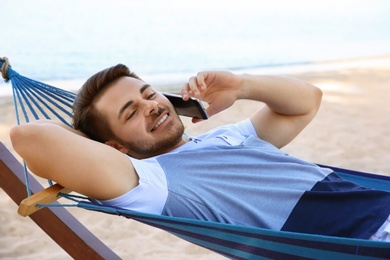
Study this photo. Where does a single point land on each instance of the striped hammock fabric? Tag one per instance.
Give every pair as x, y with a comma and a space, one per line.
36, 100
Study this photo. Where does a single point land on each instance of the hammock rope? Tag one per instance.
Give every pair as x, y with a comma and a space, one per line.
235, 242
37, 100
4, 68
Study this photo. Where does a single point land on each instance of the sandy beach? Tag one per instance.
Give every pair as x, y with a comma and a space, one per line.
351, 130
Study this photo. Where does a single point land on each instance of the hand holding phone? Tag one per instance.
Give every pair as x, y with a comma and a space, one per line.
191, 108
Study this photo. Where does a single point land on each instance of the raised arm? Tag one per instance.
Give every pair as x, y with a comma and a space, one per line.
290, 103
60, 153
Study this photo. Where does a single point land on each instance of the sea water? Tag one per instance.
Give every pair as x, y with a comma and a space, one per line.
72, 39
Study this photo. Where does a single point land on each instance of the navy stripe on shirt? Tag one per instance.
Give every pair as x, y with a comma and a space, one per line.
336, 207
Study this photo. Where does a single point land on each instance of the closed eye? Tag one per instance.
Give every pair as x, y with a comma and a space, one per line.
151, 96
131, 115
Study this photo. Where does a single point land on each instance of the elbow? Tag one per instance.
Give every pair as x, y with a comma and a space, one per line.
19, 138
15, 135
312, 102
317, 97
314, 99
26, 139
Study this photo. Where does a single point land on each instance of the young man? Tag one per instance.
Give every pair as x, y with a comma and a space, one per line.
140, 159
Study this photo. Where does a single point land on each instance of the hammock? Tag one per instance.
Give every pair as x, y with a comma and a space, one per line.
36, 99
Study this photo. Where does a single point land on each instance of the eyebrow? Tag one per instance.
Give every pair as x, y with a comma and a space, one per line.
130, 102
143, 88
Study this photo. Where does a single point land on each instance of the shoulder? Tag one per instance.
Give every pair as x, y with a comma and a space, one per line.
242, 128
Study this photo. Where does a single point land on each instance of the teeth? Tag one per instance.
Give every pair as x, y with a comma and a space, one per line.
161, 121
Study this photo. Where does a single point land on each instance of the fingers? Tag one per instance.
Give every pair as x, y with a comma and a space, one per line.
194, 87
196, 120
210, 110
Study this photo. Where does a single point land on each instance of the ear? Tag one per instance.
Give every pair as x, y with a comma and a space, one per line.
118, 146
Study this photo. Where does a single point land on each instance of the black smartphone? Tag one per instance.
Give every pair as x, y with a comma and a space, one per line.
191, 108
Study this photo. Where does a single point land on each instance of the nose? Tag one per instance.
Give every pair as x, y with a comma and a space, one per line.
150, 107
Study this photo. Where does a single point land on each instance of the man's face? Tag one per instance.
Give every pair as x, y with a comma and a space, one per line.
143, 120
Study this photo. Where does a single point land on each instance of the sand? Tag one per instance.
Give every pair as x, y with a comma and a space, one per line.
351, 130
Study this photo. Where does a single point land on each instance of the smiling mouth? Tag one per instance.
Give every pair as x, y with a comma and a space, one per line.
162, 120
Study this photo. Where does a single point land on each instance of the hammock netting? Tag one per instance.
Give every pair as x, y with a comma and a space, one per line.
37, 100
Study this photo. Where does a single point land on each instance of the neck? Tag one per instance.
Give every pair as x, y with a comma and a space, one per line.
184, 139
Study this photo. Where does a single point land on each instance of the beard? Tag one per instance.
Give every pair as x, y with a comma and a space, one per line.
162, 143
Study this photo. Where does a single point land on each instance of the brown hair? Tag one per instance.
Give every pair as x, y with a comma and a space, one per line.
86, 117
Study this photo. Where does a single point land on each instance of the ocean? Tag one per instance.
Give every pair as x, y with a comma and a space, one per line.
72, 39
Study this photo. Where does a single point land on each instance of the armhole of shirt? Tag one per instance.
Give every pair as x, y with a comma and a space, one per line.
246, 127
151, 192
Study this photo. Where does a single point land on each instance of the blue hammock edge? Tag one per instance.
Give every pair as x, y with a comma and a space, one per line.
242, 242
